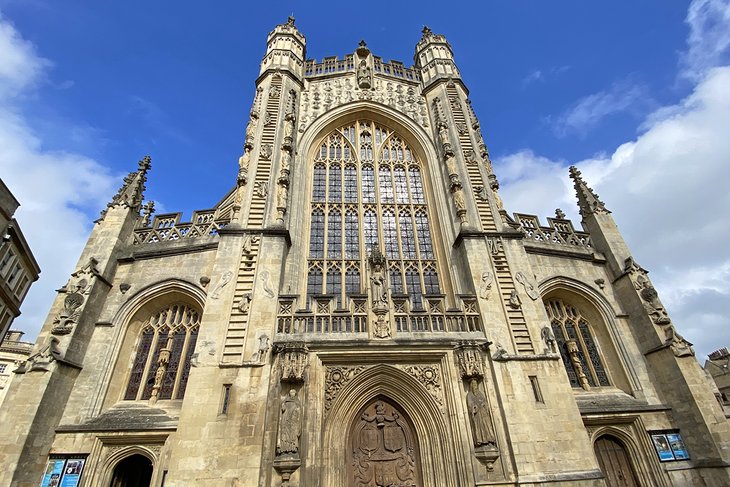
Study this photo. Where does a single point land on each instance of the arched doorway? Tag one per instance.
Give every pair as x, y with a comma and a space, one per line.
133, 471
615, 462
382, 448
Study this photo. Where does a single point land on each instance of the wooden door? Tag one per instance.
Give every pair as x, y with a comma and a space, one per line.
615, 462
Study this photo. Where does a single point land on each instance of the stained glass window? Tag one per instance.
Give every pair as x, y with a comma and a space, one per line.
569, 324
367, 193
174, 329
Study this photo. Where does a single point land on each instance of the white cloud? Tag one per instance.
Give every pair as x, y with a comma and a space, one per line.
21, 67
668, 193
586, 113
59, 192
708, 44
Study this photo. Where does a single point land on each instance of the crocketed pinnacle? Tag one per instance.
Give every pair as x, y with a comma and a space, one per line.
588, 201
131, 194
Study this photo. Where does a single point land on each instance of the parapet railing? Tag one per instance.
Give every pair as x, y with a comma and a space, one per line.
167, 228
324, 316
329, 65
560, 231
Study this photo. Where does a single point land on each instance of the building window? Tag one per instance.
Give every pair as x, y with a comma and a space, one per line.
367, 193
171, 332
573, 331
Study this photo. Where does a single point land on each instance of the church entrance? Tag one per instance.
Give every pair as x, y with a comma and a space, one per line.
615, 462
133, 471
382, 448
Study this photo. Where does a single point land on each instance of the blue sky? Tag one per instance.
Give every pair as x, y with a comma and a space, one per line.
634, 93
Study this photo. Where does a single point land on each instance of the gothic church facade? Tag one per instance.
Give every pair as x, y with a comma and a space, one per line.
360, 310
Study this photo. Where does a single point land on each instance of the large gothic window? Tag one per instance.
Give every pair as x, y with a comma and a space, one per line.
367, 193
165, 346
577, 346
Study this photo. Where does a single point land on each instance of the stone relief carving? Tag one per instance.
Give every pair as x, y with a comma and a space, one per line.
69, 315
470, 362
495, 245
335, 379
293, 360
364, 75
266, 285
251, 131
529, 288
76, 289
243, 163
514, 300
244, 303
486, 285
322, 96
261, 189
655, 309
41, 360
429, 377
222, 282
290, 425
266, 151
259, 356
481, 418
383, 449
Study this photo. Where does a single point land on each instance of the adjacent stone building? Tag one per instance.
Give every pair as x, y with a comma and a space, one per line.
18, 267
360, 310
13, 351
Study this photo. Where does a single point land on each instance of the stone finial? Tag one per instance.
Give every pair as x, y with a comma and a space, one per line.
131, 194
588, 201
290, 20
559, 214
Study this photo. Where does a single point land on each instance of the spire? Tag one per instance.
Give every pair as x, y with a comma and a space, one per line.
131, 194
588, 201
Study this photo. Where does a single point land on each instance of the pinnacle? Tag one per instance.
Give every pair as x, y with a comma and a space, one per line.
588, 201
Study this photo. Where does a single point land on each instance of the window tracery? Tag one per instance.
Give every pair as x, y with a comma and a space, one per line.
569, 325
367, 192
173, 329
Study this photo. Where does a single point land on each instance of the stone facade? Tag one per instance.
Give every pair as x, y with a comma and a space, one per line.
361, 310
13, 351
18, 267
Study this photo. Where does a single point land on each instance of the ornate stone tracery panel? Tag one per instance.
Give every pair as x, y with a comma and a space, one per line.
382, 448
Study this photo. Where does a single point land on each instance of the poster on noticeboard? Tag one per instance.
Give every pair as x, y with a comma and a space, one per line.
669, 446
63, 472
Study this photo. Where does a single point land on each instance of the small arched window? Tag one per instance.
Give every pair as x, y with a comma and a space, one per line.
577, 347
162, 361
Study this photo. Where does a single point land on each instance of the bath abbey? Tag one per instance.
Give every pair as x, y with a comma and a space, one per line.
359, 310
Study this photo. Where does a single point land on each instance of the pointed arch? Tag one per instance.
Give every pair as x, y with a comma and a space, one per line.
437, 458
604, 323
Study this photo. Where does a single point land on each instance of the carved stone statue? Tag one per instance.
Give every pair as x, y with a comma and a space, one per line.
42, 359
572, 347
364, 76
481, 420
289, 425
548, 338
245, 303
289, 128
486, 285
514, 299
251, 130
260, 356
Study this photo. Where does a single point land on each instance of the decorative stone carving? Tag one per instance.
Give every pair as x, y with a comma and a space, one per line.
379, 293
289, 122
162, 363
444, 139
293, 358
124, 287
147, 211
559, 214
495, 245
481, 418
266, 285
514, 300
335, 379
251, 131
261, 189
69, 315
41, 360
243, 163
572, 348
259, 357
244, 303
529, 288
655, 309
266, 151
486, 285
429, 377
222, 282
204, 281
248, 240
282, 195
364, 75
548, 338
469, 359
290, 425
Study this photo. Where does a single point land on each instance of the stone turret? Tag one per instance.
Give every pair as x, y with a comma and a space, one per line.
285, 50
435, 58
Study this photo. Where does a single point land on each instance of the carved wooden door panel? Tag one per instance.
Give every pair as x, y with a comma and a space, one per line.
382, 448
615, 463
